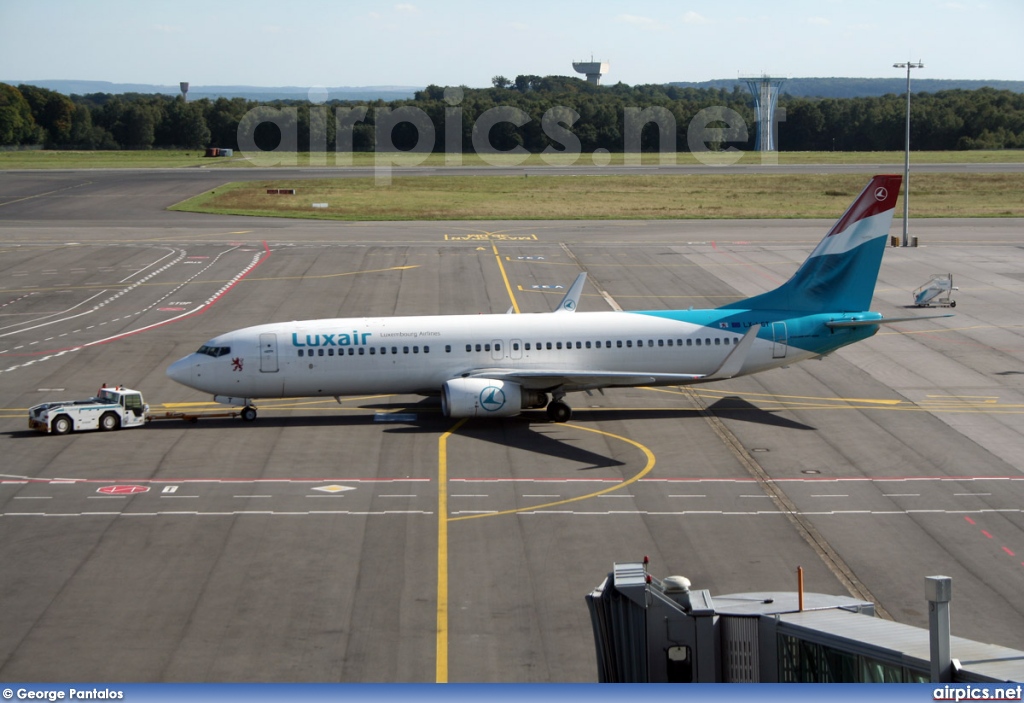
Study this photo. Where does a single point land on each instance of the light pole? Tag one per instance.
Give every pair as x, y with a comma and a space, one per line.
906, 154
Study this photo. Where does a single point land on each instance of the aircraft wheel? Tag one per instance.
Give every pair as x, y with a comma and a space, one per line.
110, 421
62, 425
952, 303
249, 414
559, 411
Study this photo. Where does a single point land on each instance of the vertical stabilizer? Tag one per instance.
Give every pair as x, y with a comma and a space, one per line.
840, 274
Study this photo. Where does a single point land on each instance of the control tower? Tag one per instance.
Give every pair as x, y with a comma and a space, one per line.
593, 69
766, 94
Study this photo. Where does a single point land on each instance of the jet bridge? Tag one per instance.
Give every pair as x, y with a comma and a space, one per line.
662, 631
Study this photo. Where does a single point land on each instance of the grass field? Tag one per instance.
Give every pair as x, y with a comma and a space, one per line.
43, 159
606, 197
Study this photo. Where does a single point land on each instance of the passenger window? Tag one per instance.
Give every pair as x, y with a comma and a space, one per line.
527, 345
661, 342
487, 347
302, 352
689, 342
629, 343
478, 347
549, 345
426, 349
707, 341
469, 347
362, 351
698, 341
588, 345
405, 350
383, 350
558, 345
319, 352
618, 343
394, 350
579, 345
448, 348
718, 341
351, 351
373, 350
415, 350
515, 346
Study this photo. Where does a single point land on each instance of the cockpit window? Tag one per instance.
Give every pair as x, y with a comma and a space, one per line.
214, 351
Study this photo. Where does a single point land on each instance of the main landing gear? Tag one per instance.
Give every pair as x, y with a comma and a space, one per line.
248, 413
559, 410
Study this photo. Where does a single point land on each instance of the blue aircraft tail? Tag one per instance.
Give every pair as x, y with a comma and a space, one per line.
840, 274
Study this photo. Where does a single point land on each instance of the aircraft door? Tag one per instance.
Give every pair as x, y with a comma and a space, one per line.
516, 348
496, 353
268, 352
781, 345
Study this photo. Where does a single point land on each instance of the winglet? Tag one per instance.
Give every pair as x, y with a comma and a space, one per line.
733, 363
572, 296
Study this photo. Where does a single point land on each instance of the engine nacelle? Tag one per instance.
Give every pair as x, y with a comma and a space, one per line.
484, 397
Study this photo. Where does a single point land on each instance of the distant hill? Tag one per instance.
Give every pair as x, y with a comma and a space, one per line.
195, 92
861, 87
797, 87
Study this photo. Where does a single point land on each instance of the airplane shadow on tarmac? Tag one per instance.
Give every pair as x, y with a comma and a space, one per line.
530, 431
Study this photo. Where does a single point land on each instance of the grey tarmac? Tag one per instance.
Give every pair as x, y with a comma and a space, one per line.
354, 542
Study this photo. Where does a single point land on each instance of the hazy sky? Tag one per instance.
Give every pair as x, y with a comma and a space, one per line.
461, 42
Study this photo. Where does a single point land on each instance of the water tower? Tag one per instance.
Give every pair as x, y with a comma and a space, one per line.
593, 69
184, 90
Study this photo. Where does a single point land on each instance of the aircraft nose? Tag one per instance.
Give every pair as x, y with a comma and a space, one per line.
181, 370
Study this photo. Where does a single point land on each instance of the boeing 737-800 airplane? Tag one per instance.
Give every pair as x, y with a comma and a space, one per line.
498, 365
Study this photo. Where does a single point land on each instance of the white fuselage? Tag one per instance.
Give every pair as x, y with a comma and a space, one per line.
356, 356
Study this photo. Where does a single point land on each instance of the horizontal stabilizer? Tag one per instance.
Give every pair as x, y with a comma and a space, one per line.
881, 321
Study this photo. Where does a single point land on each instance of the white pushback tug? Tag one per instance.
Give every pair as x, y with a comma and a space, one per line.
110, 409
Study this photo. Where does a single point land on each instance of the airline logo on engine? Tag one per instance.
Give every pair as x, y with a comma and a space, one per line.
492, 398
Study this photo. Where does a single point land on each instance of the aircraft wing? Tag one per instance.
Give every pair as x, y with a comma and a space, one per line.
569, 381
581, 380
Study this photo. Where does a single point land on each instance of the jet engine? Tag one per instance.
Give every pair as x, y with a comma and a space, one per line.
485, 397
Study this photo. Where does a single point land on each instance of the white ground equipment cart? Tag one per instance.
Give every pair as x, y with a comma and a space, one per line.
111, 409
936, 292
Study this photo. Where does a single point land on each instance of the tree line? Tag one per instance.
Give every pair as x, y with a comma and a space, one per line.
946, 120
